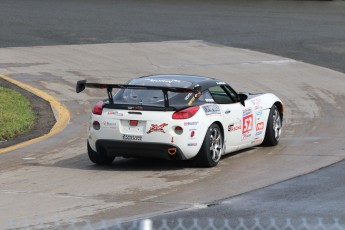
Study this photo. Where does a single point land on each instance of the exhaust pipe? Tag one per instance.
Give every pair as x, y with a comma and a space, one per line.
172, 151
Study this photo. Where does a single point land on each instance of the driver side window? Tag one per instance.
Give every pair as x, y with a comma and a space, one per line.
205, 98
220, 96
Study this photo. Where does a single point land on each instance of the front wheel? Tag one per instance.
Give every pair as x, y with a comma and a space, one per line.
212, 147
274, 127
99, 158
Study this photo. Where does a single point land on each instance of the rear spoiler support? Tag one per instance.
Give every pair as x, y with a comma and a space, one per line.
166, 99
110, 95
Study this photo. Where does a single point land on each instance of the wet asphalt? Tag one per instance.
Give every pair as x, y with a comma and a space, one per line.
311, 31
313, 201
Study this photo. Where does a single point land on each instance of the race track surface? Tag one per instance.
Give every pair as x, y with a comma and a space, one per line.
54, 181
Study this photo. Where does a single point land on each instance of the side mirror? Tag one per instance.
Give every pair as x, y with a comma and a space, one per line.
242, 97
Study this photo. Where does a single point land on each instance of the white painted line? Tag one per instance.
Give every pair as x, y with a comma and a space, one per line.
29, 158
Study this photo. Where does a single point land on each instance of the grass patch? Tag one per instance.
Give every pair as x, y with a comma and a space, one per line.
16, 114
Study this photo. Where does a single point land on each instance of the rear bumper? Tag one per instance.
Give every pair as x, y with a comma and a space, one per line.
139, 149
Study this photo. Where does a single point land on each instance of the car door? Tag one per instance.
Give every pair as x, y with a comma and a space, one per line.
232, 111
248, 125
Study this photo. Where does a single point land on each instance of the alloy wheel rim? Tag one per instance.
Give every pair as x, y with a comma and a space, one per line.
277, 125
216, 147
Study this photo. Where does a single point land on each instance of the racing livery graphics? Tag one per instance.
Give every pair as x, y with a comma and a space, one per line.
179, 117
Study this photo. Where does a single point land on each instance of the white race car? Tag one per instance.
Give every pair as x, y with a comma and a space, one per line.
179, 117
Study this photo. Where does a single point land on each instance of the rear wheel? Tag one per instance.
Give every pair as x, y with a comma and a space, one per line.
99, 158
212, 147
274, 127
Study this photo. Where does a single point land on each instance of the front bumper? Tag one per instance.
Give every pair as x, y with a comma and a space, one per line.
142, 149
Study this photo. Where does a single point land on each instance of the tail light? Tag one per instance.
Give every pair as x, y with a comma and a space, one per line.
185, 113
98, 108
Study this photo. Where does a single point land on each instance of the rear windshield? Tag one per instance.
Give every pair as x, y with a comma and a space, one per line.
152, 97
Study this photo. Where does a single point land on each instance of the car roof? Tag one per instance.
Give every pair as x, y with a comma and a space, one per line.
204, 82
189, 78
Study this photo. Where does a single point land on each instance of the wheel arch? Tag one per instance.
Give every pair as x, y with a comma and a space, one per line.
203, 157
280, 107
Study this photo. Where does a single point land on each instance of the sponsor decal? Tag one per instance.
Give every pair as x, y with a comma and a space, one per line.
221, 83
209, 100
257, 141
258, 133
157, 128
187, 123
162, 80
246, 112
192, 134
192, 144
258, 107
135, 108
247, 123
211, 109
109, 124
258, 119
233, 127
188, 96
191, 101
256, 101
116, 113
260, 126
131, 138
245, 136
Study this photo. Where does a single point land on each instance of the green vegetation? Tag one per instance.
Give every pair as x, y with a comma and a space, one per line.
16, 114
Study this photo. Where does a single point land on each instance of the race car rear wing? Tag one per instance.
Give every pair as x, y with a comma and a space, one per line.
81, 85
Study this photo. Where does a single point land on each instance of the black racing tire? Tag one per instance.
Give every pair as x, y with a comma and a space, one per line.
99, 157
273, 128
212, 147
